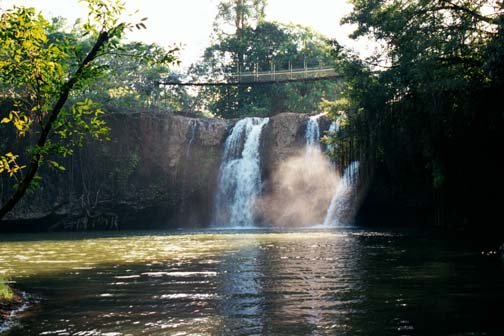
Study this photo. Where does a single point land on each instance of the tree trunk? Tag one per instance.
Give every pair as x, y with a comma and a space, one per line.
63, 97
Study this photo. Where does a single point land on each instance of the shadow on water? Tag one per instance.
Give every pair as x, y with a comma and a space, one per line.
248, 283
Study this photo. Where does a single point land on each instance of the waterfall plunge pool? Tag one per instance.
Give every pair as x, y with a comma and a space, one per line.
312, 282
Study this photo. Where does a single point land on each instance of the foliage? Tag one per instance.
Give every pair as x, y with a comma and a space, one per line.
258, 48
431, 103
8, 164
238, 14
129, 75
44, 75
131, 80
6, 293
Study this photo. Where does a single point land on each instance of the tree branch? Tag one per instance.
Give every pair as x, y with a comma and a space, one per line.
34, 164
451, 6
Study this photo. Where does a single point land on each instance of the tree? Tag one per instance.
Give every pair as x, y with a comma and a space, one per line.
131, 80
39, 74
432, 100
260, 47
239, 15
130, 76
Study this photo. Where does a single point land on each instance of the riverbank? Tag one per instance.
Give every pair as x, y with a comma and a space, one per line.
11, 301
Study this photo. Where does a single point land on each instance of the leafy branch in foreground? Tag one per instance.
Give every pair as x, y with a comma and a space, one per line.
39, 75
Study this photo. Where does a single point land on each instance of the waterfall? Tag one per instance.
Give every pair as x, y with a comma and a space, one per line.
341, 207
333, 129
312, 135
192, 135
240, 175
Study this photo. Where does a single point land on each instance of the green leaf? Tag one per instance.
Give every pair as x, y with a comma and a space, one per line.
56, 165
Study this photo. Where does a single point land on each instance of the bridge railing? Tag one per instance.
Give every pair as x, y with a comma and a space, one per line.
283, 75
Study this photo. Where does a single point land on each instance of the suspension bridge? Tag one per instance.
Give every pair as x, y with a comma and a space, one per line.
306, 74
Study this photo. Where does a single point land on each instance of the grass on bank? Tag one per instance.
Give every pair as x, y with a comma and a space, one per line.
6, 293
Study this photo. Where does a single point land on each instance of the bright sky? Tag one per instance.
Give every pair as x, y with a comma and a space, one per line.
189, 22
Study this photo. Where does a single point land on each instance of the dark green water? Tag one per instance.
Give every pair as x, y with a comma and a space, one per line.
341, 282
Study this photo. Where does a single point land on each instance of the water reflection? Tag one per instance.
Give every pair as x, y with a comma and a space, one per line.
241, 288
309, 281
305, 283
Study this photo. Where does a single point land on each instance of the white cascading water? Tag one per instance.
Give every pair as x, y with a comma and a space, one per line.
239, 181
192, 135
312, 135
333, 129
342, 203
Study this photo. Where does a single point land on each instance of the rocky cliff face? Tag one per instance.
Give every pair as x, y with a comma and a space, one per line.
146, 176
284, 137
157, 171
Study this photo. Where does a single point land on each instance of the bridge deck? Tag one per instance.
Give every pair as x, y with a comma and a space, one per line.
269, 77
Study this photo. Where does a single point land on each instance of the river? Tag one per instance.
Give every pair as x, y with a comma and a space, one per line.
313, 282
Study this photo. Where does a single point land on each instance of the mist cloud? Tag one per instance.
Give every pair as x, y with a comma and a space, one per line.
300, 191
